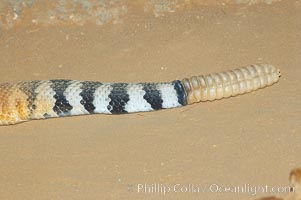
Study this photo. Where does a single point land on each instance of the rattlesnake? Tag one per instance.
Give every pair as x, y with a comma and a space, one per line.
23, 101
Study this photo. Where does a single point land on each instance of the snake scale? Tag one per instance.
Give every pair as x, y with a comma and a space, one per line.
28, 100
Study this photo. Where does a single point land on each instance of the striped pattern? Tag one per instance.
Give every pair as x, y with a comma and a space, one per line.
59, 98
24, 101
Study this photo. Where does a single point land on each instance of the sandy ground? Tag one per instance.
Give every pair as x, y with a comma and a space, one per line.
251, 140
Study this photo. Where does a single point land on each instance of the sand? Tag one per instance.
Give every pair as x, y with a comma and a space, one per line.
248, 140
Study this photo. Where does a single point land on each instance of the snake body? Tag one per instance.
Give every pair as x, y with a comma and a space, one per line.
24, 101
